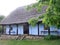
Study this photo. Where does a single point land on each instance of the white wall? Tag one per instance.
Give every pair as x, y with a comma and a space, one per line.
7, 29
41, 29
33, 30
54, 28
20, 29
14, 29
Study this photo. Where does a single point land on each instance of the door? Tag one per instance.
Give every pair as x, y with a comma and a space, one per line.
26, 29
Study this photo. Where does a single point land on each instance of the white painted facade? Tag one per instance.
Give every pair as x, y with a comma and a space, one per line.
20, 29
32, 30
41, 28
14, 29
7, 29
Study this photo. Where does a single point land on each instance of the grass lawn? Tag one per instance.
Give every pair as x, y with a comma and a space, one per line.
29, 42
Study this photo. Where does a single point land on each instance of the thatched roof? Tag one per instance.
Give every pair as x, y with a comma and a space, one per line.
21, 15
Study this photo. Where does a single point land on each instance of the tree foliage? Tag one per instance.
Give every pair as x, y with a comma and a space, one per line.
1, 18
33, 21
52, 15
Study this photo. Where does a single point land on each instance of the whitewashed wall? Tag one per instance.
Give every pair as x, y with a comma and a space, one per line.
20, 29
33, 30
14, 29
58, 31
41, 29
7, 29
53, 28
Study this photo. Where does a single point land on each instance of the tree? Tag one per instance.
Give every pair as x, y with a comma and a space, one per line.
1, 18
52, 15
33, 21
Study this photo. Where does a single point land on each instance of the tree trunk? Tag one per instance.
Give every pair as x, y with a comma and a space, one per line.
48, 30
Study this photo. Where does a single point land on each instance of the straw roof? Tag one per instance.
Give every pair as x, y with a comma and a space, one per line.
21, 15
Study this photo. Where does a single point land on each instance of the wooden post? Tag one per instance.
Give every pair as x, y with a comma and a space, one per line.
48, 30
2, 30
17, 29
28, 29
38, 29
9, 29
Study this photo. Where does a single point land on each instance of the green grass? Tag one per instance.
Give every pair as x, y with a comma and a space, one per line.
29, 42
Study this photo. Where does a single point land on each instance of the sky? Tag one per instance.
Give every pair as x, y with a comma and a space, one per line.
7, 6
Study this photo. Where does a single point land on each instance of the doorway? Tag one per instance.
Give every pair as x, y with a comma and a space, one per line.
26, 29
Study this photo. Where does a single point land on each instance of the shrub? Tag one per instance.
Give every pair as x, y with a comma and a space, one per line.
51, 37
0, 29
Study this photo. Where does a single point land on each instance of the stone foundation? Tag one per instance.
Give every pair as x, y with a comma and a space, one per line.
19, 37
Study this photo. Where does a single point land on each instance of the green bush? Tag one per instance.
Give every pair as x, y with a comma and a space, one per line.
0, 29
51, 37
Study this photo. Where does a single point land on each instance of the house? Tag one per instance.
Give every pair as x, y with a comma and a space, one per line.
17, 23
